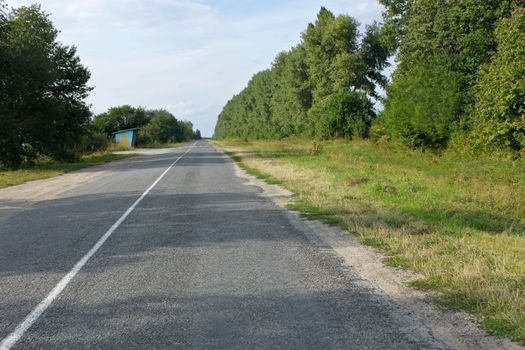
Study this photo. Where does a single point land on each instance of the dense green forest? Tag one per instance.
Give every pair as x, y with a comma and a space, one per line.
43, 88
459, 81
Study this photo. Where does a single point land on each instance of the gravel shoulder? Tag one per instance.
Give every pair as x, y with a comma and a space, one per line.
46, 189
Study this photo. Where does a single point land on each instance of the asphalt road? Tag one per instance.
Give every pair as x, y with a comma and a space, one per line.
201, 262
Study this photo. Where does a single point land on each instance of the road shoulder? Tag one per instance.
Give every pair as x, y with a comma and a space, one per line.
50, 188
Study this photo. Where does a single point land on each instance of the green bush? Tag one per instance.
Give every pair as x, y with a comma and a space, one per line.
499, 115
423, 105
94, 141
346, 114
163, 127
145, 136
378, 130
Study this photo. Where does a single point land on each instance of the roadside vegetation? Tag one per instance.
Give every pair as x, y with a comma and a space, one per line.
458, 222
459, 82
433, 172
47, 167
46, 125
43, 87
158, 127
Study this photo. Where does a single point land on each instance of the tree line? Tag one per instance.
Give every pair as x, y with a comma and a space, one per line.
156, 126
43, 88
322, 87
459, 80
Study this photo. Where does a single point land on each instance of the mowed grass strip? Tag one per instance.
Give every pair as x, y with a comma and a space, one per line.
458, 222
46, 168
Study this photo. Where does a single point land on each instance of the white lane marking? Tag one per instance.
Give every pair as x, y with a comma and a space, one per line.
12, 338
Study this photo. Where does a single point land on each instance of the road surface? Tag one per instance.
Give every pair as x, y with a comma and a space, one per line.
201, 261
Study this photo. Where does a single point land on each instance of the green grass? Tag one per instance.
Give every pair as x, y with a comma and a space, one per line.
46, 168
458, 222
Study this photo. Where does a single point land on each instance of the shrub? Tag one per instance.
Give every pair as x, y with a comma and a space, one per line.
145, 136
499, 115
348, 114
378, 130
423, 105
94, 142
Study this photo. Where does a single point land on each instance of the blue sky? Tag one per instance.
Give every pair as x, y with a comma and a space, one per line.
187, 56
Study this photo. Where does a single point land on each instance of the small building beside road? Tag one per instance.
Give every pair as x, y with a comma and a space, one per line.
126, 138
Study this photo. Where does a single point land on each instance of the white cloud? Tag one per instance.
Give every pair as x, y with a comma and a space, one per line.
366, 11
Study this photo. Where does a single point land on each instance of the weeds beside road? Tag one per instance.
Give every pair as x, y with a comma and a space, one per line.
458, 222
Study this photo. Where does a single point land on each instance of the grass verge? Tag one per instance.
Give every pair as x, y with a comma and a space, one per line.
458, 222
46, 168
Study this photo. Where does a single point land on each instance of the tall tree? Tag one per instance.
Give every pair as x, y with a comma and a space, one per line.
330, 44
185, 131
161, 127
249, 114
322, 87
121, 118
375, 51
292, 97
259, 122
339, 63
42, 89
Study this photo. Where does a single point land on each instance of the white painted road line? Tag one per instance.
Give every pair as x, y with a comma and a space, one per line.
20, 330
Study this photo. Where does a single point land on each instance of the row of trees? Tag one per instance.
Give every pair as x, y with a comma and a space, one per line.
156, 126
461, 76
322, 87
459, 82
43, 87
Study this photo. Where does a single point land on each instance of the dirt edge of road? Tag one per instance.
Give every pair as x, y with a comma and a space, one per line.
46, 189
413, 309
